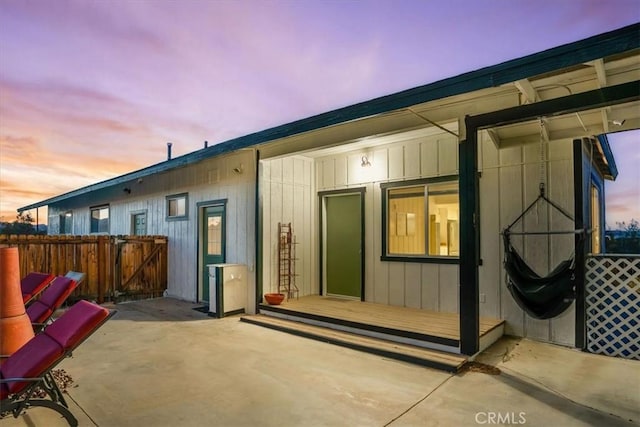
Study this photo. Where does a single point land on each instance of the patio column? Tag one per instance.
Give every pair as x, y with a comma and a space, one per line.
469, 242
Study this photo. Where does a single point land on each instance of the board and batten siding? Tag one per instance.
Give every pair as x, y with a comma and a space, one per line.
406, 284
211, 179
286, 195
509, 182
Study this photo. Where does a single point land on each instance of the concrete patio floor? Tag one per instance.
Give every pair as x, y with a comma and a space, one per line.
160, 363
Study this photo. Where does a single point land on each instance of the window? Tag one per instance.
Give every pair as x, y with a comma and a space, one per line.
66, 223
177, 206
421, 219
100, 219
595, 220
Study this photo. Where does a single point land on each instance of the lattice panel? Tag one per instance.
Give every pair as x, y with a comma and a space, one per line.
613, 305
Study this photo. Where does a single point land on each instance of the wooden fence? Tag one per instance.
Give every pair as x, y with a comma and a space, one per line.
117, 267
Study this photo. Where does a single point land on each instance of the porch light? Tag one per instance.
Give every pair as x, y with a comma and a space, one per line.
365, 162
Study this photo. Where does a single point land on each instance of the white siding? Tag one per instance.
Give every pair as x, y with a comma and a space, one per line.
286, 196
212, 179
429, 286
508, 184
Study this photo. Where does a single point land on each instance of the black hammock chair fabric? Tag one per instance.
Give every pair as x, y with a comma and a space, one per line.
540, 297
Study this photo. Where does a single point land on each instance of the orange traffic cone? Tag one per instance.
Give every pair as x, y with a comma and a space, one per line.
15, 327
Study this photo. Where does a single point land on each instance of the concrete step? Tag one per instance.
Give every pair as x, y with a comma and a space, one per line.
408, 353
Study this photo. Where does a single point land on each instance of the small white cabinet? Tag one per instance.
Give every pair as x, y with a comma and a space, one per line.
227, 289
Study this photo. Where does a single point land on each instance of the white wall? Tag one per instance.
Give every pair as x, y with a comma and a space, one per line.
288, 193
509, 183
212, 179
419, 285
287, 196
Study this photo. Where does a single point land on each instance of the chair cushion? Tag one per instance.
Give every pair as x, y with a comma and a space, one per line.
32, 360
33, 283
51, 299
59, 289
38, 312
78, 321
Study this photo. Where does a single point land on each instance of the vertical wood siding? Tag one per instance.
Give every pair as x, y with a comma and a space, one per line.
212, 179
286, 196
509, 183
429, 286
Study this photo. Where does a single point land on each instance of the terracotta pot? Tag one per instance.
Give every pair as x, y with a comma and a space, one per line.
11, 303
15, 332
274, 299
15, 326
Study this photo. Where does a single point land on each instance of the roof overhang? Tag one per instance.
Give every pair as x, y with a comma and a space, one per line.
604, 158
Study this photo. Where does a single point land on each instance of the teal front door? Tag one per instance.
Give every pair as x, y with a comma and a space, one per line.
213, 243
342, 254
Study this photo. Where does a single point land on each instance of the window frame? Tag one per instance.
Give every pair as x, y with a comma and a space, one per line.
597, 245
384, 196
177, 196
97, 208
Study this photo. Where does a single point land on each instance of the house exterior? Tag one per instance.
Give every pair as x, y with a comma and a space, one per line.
425, 181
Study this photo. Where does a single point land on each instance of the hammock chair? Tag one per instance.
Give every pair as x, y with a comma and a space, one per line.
542, 297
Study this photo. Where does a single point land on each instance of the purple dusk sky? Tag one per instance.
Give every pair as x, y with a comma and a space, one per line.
93, 89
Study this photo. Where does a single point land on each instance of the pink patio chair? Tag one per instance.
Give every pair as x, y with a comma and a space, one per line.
30, 367
34, 283
51, 299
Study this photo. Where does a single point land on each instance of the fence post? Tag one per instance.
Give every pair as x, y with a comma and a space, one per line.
102, 240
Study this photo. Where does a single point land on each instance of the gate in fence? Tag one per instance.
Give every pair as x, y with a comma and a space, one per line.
116, 267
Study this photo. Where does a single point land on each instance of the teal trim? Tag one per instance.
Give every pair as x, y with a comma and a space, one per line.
421, 259
419, 181
207, 203
184, 217
384, 197
608, 155
603, 45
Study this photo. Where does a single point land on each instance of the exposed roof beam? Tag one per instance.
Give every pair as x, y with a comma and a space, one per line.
591, 100
544, 130
605, 119
601, 73
495, 138
527, 90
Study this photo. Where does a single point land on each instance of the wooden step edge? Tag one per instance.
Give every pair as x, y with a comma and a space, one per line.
444, 339
453, 358
411, 354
